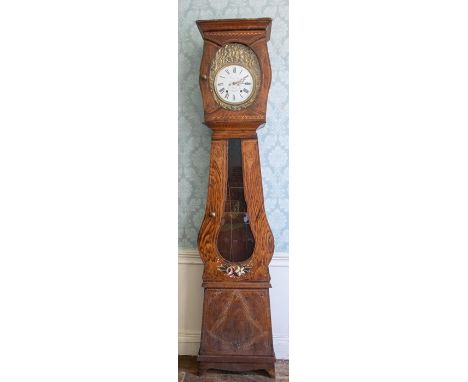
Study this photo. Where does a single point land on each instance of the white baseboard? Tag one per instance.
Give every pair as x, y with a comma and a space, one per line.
189, 343
191, 256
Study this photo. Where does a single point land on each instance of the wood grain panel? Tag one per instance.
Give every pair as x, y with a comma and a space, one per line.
236, 322
217, 180
264, 243
244, 37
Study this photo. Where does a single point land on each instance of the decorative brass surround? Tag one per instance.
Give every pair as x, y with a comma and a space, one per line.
235, 54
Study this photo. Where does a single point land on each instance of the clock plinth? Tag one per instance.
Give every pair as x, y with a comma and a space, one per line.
235, 241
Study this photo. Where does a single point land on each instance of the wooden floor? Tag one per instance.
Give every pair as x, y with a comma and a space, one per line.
188, 372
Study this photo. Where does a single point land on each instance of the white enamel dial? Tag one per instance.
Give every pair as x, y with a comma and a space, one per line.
234, 84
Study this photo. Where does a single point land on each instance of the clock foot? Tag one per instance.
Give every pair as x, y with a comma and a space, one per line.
237, 367
271, 371
201, 370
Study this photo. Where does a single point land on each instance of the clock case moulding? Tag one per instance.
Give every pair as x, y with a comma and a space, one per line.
236, 324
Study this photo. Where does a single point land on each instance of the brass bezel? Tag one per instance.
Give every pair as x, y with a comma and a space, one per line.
235, 54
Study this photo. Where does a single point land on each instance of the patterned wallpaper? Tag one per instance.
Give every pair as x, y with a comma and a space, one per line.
194, 137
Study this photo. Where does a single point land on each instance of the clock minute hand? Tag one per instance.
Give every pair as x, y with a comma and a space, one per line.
240, 81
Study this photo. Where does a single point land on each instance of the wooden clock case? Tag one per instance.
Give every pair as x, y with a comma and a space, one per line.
236, 324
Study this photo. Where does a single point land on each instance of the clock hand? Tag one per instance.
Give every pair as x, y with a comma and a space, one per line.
240, 81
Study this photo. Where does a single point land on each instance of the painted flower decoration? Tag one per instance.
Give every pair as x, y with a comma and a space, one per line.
234, 270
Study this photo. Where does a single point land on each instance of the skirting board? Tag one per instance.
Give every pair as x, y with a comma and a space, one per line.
189, 344
191, 256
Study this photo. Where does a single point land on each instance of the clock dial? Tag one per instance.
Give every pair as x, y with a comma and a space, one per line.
234, 84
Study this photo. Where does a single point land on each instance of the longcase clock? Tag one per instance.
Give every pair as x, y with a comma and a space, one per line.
235, 241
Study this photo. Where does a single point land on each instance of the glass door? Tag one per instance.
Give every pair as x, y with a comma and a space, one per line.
235, 239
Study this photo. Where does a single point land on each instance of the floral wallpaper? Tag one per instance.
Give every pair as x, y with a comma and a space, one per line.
194, 137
